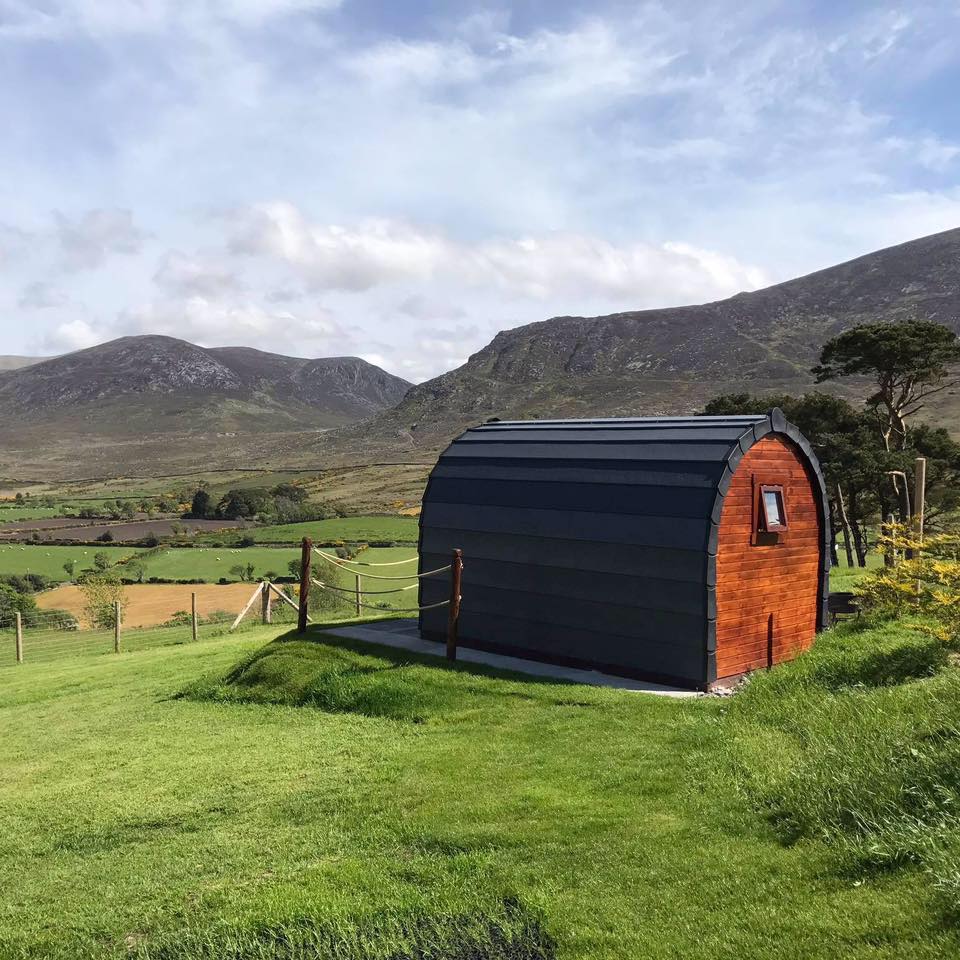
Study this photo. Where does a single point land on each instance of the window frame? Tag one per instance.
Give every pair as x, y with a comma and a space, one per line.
778, 491
761, 534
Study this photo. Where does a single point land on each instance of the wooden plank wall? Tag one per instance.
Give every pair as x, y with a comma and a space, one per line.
757, 582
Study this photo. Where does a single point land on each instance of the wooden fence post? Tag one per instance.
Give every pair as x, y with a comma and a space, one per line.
193, 614
19, 620
359, 607
116, 626
453, 620
265, 603
919, 494
306, 551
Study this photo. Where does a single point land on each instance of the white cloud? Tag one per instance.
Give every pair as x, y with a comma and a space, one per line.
108, 18
86, 243
223, 322
72, 335
461, 175
185, 275
380, 252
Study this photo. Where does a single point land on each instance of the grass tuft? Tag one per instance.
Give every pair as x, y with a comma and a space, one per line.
857, 744
511, 933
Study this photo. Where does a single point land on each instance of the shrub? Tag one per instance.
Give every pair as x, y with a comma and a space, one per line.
246, 541
923, 577
101, 593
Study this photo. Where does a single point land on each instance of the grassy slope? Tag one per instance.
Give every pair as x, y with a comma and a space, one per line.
137, 814
30, 558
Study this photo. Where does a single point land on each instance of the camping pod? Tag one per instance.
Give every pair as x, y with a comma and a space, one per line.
680, 549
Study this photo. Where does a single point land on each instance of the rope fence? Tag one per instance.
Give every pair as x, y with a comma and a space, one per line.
454, 568
363, 563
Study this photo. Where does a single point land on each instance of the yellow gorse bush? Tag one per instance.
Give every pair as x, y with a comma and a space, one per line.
921, 575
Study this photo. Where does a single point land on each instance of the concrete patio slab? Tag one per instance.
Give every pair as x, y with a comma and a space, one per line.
404, 635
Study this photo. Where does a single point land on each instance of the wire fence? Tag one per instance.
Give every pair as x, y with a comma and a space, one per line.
49, 639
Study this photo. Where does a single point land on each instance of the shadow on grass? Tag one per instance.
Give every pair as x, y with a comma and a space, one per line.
510, 933
341, 675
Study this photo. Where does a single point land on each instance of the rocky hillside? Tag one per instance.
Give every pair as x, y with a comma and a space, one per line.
157, 403
15, 363
668, 361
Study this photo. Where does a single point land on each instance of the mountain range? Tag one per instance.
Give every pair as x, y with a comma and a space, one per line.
669, 361
159, 402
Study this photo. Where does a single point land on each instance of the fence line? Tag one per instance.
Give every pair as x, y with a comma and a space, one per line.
44, 636
454, 568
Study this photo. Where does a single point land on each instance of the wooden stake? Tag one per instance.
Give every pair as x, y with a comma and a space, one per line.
286, 599
265, 603
243, 612
359, 596
453, 620
116, 626
306, 552
193, 614
919, 494
19, 620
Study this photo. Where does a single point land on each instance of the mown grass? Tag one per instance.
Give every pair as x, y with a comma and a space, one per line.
411, 809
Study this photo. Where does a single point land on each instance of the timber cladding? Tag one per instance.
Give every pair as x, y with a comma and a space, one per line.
767, 588
637, 546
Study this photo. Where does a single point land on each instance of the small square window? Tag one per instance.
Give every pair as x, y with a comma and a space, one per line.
773, 515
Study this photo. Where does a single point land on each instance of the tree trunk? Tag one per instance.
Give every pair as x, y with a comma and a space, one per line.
844, 525
860, 544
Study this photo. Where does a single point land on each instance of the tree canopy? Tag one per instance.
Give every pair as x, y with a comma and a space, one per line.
908, 362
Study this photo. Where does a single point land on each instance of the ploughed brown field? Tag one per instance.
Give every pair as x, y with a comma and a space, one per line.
150, 604
65, 528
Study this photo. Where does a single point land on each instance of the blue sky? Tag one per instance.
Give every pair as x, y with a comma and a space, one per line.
400, 181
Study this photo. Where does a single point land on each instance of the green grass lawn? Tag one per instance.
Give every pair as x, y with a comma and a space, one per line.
353, 529
38, 558
407, 809
843, 578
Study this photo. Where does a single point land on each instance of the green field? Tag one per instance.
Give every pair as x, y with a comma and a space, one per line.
212, 563
11, 514
49, 561
350, 529
410, 809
